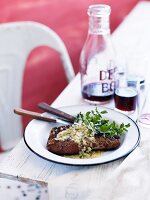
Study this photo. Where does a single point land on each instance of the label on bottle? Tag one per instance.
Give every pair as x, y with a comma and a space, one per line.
107, 80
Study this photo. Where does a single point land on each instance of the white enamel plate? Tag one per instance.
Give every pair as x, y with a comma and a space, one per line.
37, 132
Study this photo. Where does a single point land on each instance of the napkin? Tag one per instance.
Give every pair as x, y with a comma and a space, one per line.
125, 179
16, 190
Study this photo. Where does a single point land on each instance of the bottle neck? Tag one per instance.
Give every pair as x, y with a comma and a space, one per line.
99, 25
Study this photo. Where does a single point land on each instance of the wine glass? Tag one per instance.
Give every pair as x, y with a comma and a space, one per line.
139, 72
126, 96
144, 112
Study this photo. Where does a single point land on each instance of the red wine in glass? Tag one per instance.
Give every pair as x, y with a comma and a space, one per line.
126, 99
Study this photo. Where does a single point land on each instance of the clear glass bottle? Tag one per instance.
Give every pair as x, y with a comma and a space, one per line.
97, 58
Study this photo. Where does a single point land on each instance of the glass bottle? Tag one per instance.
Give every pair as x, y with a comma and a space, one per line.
97, 58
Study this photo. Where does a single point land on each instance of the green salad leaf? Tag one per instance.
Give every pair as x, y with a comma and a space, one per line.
96, 123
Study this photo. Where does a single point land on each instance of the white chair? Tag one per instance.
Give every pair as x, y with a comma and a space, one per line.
17, 40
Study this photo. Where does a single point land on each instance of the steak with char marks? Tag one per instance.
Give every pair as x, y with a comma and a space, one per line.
69, 147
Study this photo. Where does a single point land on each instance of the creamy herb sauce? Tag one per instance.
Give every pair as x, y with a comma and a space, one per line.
78, 133
92, 154
81, 135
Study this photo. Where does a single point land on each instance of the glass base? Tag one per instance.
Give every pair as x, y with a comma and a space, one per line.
144, 120
97, 102
124, 112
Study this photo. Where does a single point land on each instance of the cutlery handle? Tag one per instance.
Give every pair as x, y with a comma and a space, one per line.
34, 115
56, 112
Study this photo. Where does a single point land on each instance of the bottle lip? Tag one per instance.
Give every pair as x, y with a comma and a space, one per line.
99, 10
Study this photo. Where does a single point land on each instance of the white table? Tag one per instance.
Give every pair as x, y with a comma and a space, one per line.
132, 36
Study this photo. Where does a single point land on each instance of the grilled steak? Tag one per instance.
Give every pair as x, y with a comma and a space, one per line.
71, 147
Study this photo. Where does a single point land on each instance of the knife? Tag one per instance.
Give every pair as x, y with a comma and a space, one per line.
44, 106
38, 116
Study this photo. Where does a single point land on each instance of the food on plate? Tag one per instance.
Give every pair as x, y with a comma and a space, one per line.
90, 132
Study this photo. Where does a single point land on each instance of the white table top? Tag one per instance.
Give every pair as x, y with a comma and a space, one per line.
131, 37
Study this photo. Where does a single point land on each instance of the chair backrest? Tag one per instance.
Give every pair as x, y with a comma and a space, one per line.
17, 40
